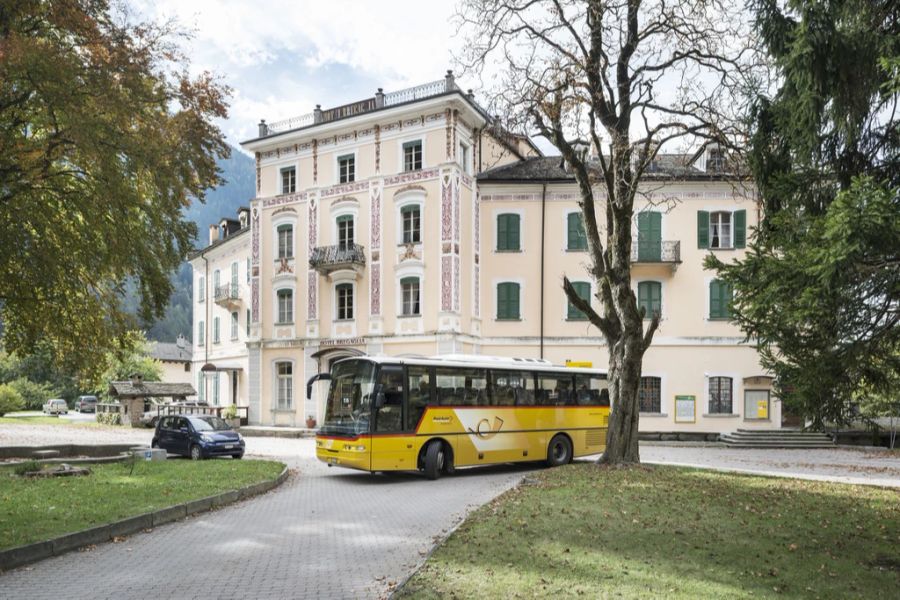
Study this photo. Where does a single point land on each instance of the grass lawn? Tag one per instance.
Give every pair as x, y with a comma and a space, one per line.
46, 420
37, 509
664, 532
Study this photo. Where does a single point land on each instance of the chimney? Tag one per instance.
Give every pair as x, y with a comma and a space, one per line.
213, 234
317, 114
379, 98
180, 341
137, 379
449, 81
263, 128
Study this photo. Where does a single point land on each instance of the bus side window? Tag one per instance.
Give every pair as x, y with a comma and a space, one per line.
556, 390
419, 381
390, 416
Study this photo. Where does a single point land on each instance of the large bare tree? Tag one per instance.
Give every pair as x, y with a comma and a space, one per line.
623, 78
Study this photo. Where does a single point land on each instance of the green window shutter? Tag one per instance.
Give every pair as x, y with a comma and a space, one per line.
508, 301
740, 228
702, 229
720, 296
508, 232
577, 240
583, 289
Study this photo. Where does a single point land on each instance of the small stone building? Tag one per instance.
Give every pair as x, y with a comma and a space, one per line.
133, 394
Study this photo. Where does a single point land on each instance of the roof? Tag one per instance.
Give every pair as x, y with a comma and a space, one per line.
551, 168
474, 360
201, 251
149, 389
171, 352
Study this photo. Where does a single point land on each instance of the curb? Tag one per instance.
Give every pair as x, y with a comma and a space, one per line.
293, 433
29, 553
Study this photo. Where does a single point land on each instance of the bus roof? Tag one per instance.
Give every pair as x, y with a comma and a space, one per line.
476, 360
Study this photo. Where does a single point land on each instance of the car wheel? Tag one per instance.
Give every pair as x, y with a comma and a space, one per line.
237, 456
559, 452
196, 453
434, 460
154, 444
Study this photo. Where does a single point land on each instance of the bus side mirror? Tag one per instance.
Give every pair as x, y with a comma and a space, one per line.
313, 379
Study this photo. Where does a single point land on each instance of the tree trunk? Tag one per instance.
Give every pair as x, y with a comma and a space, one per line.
625, 360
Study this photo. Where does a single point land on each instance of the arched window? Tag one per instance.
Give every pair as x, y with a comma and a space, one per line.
344, 299
285, 306
411, 215
345, 232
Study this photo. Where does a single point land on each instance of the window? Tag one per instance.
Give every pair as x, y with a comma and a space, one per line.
344, 293
591, 391
649, 396
346, 168
412, 155
409, 293
201, 387
411, 216
508, 301
389, 416
288, 180
345, 232
555, 390
649, 245
285, 306
215, 388
234, 279
508, 233
217, 276
511, 388
201, 290
419, 380
460, 387
583, 289
720, 395
234, 326
285, 241
201, 333
284, 374
248, 270
464, 159
722, 229
248, 322
650, 298
216, 338
577, 239
719, 299
715, 161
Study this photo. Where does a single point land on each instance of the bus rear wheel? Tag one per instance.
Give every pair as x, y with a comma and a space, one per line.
559, 452
435, 460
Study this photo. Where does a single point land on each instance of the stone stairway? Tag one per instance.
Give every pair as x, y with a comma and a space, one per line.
776, 438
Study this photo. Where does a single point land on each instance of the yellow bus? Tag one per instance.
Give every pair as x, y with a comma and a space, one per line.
436, 414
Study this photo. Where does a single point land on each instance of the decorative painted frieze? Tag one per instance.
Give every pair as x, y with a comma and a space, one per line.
284, 199
421, 175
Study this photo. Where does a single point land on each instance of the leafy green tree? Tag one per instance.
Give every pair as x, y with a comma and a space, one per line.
819, 290
131, 358
105, 140
34, 395
10, 400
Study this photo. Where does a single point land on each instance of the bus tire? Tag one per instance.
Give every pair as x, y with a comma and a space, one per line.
559, 452
435, 457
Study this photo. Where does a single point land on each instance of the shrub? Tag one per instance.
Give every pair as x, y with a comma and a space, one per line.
27, 467
109, 418
10, 399
33, 394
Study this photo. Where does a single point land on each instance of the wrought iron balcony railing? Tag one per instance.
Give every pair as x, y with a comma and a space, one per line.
228, 294
326, 259
655, 251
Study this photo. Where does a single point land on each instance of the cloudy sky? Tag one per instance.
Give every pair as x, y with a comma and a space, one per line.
283, 57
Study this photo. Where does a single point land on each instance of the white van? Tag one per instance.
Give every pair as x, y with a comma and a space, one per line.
56, 406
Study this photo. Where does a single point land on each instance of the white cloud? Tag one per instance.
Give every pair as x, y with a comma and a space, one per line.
280, 57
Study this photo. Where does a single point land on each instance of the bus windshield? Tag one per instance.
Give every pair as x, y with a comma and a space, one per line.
349, 403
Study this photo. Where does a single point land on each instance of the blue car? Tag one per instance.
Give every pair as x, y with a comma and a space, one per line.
197, 436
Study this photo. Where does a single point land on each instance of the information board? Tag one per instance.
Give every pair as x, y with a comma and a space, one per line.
685, 409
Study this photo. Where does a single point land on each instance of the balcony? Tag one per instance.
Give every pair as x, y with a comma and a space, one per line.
228, 295
328, 259
655, 252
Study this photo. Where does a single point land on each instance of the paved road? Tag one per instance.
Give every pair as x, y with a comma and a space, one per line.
326, 533
330, 533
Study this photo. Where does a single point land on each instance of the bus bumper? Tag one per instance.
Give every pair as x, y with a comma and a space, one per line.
351, 453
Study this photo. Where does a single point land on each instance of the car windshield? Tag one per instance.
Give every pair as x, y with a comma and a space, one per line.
349, 402
89, 398
209, 424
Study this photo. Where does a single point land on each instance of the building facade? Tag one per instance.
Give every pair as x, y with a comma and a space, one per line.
410, 223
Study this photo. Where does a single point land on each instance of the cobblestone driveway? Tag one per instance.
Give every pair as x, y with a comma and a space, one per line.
326, 533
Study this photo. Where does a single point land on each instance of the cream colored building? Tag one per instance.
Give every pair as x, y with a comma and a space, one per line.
175, 359
222, 312
409, 223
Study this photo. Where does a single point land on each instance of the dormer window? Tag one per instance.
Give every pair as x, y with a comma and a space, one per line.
715, 160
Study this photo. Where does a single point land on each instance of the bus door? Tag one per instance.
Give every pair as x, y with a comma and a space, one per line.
391, 449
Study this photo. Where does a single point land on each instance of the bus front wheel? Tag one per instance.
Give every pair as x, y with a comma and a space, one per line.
435, 459
559, 452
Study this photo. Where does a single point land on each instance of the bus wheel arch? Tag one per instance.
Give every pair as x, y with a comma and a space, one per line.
559, 450
435, 458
